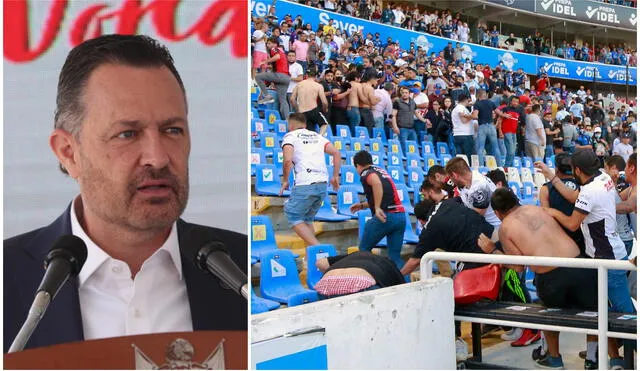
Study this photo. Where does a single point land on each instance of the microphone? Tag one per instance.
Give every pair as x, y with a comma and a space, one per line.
64, 260
212, 256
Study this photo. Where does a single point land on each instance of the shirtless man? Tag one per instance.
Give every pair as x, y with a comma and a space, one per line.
530, 231
368, 100
353, 107
304, 99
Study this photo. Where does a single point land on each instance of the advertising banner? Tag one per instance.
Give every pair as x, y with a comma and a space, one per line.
527, 5
589, 11
530, 63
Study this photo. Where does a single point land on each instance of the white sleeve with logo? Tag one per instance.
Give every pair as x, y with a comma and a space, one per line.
585, 200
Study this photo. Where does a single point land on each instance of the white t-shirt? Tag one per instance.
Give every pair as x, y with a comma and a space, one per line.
308, 156
597, 200
479, 193
285, 40
421, 98
295, 70
624, 150
460, 127
260, 45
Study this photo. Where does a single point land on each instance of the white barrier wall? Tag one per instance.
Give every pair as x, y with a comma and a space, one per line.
401, 327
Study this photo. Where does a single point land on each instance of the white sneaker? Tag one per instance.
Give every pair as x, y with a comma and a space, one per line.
462, 350
512, 335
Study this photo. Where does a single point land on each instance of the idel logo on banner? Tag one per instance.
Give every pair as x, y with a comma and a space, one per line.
88, 24
561, 7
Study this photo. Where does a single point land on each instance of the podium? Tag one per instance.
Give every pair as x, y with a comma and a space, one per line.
177, 350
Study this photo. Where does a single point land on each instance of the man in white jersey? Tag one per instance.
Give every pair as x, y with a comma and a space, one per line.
475, 189
595, 214
304, 149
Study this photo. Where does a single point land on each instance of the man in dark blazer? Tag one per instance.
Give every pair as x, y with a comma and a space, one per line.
121, 132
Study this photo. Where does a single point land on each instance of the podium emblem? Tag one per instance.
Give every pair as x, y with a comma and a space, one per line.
180, 356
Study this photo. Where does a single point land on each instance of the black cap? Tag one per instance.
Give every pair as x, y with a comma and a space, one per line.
586, 160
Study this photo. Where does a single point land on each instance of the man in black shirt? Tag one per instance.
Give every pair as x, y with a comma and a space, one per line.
371, 271
551, 197
450, 226
486, 129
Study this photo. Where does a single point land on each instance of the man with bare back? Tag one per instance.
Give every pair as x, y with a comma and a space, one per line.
304, 99
368, 100
353, 107
530, 231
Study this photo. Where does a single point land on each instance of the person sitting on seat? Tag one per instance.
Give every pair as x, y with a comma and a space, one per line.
360, 271
530, 231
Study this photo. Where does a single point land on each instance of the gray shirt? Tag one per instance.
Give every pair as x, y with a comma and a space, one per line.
533, 123
570, 134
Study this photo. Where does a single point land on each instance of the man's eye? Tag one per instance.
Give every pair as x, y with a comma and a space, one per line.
175, 130
127, 134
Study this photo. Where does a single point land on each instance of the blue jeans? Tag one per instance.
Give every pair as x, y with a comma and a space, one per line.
487, 131
503, 152
379, 122
419, 126
619, 295
393, 229
353, 114
405, 135
452, 146
510, 144
464, 145
548, 151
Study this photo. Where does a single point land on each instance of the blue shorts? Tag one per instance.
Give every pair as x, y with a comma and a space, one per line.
304, 202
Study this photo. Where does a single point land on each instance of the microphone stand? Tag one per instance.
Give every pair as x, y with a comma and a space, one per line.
36, 312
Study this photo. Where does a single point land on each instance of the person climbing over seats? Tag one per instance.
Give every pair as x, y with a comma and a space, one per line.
530, 231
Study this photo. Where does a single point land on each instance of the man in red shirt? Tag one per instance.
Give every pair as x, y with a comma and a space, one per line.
509, 127
279, 76
542, 83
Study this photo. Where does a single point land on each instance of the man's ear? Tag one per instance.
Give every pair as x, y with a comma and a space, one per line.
65, 147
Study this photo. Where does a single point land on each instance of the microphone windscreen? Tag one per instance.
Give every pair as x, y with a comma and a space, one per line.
69, 247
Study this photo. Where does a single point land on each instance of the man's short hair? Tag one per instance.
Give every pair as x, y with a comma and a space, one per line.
615, 160
275, 40
298, 118
586, 160
312, 71
563, 163
427, 185
424, 209
436, 169
535, 108
457, 165
496, 176
362, 158
632, 160
503, 200
129, 50
388, 86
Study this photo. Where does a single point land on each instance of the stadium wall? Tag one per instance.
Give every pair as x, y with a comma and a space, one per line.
401, 327
531, 64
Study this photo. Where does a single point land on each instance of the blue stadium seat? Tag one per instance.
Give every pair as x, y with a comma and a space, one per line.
443, 148
429, 160
351, 177
415, 178
427, 148
329, 132
263, 237
268, 181
261, 305
279, 279
527, 193
358, 144
363, 216
280, 127
412, 148
410, 235
517, 162
329, 186
258, 126
397, 174
255, 93
403, 194
343, 131
257, 157
380, 134
328, 159
347, 196
414, 160
326, 213
348, 159
278, 159
362, 133
550, 161
376, 145
340, 143
302, 298
444, 158
271, 116
394, 147
315, 253
377, 158
394, 159
483, 170
255, 114
527, 162
269, 140
515, 187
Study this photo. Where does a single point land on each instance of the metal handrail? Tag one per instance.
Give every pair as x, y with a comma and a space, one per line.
602, 265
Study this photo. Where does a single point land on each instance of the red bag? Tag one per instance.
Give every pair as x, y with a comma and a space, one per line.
472, 285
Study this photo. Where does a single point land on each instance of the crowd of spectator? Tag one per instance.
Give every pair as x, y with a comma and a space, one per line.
450, 25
